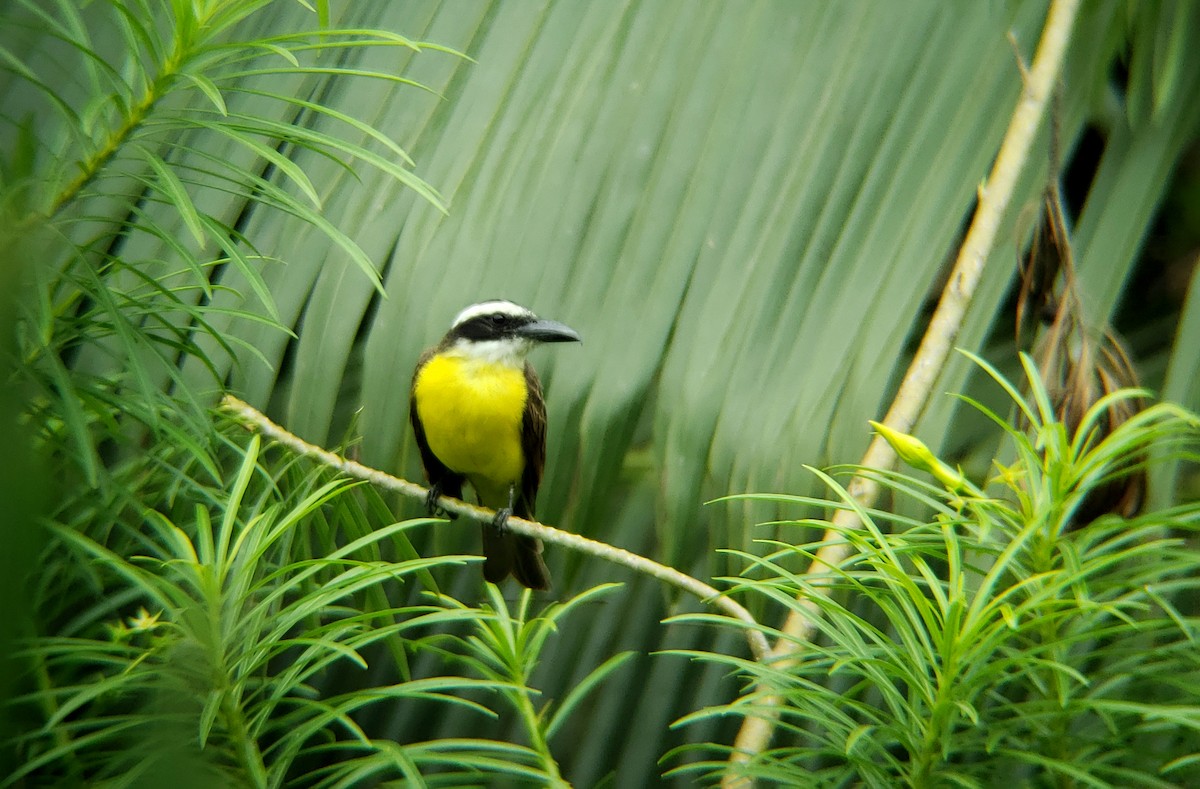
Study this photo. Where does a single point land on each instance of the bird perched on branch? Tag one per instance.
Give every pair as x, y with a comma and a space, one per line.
478, 415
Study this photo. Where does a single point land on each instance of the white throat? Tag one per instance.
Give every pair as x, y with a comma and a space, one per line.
510, 352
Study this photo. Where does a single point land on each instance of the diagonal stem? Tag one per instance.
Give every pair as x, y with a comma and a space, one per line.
994, 199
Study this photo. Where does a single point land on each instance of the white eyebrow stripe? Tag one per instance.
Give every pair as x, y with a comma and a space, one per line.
488, 308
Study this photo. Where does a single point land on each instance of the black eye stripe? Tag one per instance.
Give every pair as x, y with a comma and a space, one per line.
490, 326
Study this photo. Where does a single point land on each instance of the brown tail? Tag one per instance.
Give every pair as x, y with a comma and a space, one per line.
516, 554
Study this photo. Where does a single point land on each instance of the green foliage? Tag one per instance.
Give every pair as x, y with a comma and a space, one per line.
743, 207
212, 642
996, 642
173, 126
504, 648
180, 616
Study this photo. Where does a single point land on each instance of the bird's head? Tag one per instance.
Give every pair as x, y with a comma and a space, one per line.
502, 332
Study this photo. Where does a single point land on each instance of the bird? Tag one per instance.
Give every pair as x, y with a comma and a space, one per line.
479, 416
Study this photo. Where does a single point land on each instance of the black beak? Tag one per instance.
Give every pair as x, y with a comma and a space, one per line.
548, 331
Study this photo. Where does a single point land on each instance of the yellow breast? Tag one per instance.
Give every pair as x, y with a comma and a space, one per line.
471, 411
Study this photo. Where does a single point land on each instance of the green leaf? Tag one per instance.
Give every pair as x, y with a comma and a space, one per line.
175, 192
589, 683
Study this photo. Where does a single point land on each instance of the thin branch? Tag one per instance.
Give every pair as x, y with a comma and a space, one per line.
994, 199
258, 421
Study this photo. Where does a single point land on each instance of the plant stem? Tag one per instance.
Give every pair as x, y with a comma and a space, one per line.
137, 114
92, 165
537, 737
994, 199
247, 749
941, 713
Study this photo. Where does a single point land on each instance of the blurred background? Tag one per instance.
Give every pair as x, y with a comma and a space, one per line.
747, 210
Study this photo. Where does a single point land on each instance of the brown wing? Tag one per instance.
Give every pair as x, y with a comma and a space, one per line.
533, 444
442, 478
525, 553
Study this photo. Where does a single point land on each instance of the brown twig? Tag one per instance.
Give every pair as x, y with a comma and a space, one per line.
256, 419
994, 199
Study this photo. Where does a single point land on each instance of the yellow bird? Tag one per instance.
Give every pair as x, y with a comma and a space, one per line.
478, 415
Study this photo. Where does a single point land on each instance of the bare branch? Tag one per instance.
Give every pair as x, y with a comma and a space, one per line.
258, 421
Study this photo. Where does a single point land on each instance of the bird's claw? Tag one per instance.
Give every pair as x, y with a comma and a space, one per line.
431, 502
500, 522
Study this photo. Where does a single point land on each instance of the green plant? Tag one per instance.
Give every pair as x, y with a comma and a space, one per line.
190, 596
503, 648
766, 191
128, 187
206, 641
214, 643
993, 643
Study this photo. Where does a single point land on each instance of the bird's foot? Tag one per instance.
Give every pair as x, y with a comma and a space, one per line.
431, 502
500, 522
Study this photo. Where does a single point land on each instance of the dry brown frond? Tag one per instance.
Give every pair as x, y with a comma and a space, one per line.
1079, 364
